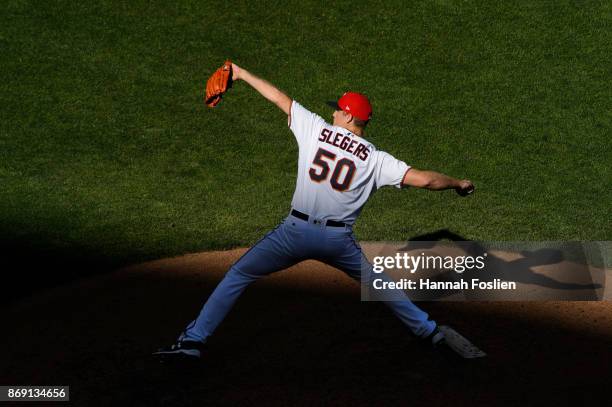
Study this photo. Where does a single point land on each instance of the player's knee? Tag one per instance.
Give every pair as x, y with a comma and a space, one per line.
241, 273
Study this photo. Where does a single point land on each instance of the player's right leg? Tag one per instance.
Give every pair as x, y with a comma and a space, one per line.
278, 250
344, 253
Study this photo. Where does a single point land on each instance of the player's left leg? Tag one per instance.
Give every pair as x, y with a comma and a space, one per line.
278, 250
344, 253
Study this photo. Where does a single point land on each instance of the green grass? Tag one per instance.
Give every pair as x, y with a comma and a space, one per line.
105, 143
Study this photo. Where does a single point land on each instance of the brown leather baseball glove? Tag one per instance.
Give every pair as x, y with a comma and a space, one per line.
218, 84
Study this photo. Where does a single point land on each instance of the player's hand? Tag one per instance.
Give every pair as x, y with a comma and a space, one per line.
236, 72
465, 187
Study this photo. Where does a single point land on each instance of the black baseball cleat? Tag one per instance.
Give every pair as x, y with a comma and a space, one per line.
181, 350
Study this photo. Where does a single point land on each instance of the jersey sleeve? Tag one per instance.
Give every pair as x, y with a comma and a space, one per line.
303, 123
389, 170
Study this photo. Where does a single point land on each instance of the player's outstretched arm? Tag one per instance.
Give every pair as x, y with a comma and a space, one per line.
436, 182
267, 90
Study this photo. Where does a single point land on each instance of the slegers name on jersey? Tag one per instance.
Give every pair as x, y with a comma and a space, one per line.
345, 143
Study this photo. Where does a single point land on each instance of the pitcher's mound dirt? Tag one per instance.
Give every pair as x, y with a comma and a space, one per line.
300, 337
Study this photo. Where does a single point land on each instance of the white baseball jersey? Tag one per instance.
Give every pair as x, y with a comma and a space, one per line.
337, 170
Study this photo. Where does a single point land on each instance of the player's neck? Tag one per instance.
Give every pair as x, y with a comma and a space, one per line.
354, 129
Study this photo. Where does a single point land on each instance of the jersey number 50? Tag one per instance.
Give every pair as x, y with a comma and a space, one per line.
320, 161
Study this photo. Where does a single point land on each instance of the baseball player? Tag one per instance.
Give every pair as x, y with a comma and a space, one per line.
338, 171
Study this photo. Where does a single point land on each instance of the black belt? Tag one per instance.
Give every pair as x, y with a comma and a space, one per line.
305, 217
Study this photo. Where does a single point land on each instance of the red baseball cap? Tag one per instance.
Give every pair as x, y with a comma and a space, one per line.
354, 103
